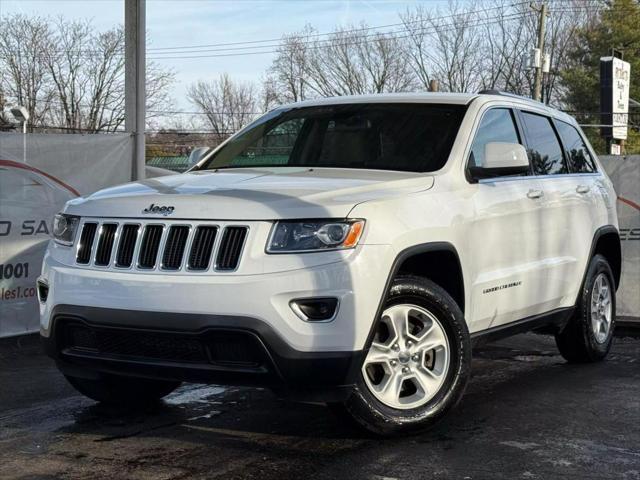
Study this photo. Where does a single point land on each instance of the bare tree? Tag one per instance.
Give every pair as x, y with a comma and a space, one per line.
468, 48
227, 105
159, 101
288, 75
5, 123
24, 43
270, 96
88, 77
445, 47
70, 76
511, 33
506, 47
350, 61
567, 18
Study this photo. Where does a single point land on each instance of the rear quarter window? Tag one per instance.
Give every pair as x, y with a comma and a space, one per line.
578, 154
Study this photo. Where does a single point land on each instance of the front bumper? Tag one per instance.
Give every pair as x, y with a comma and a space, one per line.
184, 312
358, 284
88, 342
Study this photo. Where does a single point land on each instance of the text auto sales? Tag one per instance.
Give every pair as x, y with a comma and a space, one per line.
26, 228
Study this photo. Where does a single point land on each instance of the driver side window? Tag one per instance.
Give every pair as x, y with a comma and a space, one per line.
497, 125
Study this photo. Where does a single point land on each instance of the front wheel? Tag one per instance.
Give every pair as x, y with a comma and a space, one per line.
418, 364
123, 391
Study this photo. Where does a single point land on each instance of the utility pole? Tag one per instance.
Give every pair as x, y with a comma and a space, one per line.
134, 80
537, 86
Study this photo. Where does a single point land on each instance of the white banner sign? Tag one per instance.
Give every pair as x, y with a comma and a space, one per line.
58, 168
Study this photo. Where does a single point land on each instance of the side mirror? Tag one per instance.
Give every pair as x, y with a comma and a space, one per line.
502, 159
196, 155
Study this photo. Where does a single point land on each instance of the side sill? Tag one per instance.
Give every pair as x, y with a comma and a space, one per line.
549, 322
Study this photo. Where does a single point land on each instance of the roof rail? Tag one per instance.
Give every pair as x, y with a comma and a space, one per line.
504, 94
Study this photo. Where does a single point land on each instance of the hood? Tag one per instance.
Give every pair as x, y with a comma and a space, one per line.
251, 194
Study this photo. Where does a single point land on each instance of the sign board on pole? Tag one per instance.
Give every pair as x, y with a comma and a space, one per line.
615, 77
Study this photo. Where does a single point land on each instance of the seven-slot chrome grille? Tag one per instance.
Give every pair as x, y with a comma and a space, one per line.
157, 245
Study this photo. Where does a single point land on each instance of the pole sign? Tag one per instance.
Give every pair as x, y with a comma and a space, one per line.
615, 77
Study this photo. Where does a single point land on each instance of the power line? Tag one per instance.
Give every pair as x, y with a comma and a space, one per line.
375, 27
314, 45
186, 48
363, 40
259, 49
330, 41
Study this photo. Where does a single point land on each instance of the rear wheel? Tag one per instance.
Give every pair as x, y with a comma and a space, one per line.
417, 366
588, 335
123, 391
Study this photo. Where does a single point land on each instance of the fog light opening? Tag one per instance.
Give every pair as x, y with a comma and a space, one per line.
315, 309
43, 291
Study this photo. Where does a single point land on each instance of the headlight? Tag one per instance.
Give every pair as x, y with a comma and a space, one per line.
314, 235
64, 228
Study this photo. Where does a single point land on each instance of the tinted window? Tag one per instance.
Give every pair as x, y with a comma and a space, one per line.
273, 148
496, 126
544, 149
579, 157
404, 137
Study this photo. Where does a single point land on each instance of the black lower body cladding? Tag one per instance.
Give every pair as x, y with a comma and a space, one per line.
88, 342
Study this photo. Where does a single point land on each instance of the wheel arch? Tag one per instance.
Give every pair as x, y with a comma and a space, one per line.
412, 260
606, 242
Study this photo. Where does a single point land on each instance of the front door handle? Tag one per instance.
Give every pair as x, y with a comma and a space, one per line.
534, 193
582, 189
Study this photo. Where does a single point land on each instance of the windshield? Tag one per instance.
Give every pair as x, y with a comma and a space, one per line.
405, 137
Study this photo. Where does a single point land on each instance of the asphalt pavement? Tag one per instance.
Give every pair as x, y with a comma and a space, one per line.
526, 415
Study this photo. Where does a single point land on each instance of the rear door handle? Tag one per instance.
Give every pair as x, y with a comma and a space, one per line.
535, 193
582, 189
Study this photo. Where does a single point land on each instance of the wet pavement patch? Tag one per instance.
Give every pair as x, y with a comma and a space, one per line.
526, 414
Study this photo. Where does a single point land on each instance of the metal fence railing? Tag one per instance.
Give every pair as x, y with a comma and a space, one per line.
177, 163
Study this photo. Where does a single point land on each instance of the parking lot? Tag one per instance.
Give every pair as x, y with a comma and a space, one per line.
526, 414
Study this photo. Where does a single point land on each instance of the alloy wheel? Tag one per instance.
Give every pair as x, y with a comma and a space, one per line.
409, 358
601, 308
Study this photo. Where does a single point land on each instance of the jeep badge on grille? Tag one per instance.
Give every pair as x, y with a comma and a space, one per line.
163, 210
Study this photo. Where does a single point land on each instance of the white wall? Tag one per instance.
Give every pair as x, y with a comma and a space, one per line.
625, 174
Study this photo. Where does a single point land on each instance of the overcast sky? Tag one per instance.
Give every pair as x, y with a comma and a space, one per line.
172, 23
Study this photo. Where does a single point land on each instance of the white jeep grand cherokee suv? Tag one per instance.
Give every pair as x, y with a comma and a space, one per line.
349, 250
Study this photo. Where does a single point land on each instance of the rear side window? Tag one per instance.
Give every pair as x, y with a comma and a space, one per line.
543, 146
579, 157
496, 126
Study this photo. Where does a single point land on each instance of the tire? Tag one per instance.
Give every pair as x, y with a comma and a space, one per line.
584, 338
123, 391
407, 397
